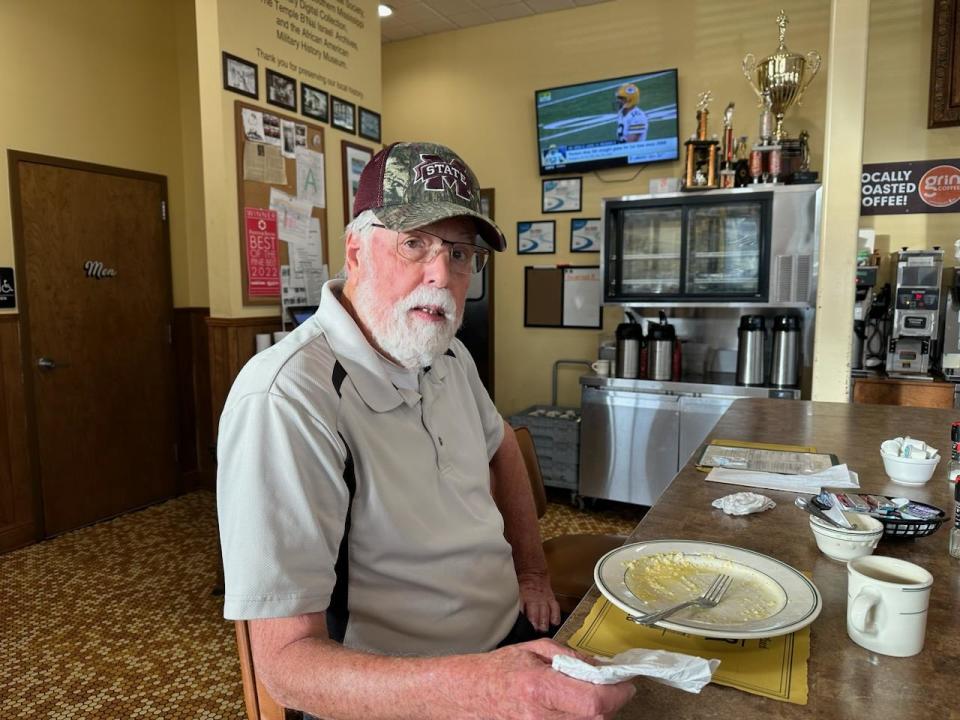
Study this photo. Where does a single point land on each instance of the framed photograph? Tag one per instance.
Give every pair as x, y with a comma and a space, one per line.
585, 235
487, 205
354, 159
369, 124
314, 103
281, 90
240, 76
343, 115
562, 195
537, 237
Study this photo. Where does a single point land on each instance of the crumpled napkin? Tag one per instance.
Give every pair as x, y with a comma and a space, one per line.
685, 672
744, 503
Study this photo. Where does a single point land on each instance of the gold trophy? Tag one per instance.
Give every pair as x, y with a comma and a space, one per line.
784, 75
701, 164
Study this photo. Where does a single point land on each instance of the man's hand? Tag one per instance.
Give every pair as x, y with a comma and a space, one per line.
518, 682
537, 601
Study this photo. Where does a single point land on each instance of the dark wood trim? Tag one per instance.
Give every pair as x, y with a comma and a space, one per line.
232, 341
192, 357
944, 109
19, 503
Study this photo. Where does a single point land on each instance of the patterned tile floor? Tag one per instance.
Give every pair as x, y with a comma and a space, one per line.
116, 620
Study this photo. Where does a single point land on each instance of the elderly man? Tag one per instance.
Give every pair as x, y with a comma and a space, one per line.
377, 525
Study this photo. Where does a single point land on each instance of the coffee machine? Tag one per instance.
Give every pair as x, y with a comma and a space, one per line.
863, 302
916, 313
950, 361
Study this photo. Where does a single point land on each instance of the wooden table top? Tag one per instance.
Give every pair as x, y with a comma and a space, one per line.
845, 680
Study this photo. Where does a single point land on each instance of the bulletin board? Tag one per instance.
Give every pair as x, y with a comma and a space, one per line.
562, 296
254, 195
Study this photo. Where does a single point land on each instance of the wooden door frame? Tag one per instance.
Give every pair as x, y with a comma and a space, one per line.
14, 158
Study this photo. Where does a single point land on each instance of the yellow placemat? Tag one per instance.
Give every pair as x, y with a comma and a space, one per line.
773, 667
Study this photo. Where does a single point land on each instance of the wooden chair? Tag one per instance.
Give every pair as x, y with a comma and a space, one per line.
570, 558
260, 706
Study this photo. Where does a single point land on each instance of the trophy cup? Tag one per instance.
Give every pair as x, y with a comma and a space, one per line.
727, 172
784, 75
701, 163
804, 174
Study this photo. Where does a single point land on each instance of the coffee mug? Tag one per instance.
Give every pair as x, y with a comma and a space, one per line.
887, 603
601, 367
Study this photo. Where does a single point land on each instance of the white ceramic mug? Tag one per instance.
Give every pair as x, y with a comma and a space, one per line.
887, 602
601, 367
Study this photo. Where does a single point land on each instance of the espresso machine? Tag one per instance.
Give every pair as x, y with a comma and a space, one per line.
916, 313
863, 302
950, 361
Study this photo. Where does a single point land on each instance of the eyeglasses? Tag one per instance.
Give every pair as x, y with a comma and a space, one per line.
423, 247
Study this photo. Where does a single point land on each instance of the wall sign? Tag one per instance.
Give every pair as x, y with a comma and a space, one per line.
263, 252
921, 186
8, 294
97, 270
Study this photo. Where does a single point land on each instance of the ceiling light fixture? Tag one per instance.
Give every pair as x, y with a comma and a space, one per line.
384, 10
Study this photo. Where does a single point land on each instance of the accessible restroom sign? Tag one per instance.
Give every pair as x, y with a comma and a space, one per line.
922, 186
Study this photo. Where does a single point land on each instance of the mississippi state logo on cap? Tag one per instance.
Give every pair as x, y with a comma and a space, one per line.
438, 175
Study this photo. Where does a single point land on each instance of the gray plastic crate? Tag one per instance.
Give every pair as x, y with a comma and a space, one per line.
556, 436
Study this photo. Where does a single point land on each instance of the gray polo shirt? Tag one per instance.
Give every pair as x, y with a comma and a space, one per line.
314, 438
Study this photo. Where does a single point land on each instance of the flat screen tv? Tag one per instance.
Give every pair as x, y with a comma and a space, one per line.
630, 120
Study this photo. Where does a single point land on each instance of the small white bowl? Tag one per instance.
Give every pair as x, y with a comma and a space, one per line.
909, 471
841, 544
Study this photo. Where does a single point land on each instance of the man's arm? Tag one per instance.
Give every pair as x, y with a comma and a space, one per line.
510, 486
303, 669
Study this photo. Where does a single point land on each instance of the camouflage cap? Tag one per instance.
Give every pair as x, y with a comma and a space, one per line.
410, 185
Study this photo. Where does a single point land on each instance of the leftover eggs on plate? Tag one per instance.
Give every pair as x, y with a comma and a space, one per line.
767, 597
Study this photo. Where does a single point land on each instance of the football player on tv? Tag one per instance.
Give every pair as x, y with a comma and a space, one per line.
632, 122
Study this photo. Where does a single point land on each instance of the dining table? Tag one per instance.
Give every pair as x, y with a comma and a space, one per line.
844, 679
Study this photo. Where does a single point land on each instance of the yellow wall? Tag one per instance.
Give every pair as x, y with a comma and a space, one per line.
98, 81
242, 27
473, 90
898, 82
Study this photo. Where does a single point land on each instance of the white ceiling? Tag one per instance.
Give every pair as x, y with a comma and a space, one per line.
412, 18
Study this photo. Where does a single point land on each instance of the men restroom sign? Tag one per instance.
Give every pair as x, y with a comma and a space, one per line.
8, 294
923, 186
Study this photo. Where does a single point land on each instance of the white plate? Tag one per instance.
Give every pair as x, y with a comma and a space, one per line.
767, 598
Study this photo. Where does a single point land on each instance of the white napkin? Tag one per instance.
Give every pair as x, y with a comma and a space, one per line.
838, 476
685, 672
744, 503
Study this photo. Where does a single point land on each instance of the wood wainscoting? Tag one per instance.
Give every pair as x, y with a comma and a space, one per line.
19, 501
195, 419
232, 342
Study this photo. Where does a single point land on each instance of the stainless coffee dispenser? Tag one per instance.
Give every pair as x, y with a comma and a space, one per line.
785, 367
916, 315
750, 353
660, 349
629, 344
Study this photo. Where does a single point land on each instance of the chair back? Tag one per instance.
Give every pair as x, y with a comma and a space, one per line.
529, 453
259, 704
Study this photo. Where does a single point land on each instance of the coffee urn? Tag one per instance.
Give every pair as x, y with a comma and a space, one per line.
661, 338
629, 342
750, 358
785, 367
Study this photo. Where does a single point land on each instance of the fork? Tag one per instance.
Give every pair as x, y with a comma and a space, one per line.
711, 598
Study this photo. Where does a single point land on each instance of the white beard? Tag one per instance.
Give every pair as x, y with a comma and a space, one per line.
409, 340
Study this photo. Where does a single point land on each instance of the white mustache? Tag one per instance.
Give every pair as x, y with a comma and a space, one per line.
432, 297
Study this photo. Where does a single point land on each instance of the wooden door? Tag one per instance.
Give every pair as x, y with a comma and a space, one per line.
93, 260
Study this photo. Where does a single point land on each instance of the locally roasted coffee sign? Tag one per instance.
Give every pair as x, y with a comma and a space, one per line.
923, 186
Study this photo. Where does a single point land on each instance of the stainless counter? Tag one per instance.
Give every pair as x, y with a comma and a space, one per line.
635, 435
720, 384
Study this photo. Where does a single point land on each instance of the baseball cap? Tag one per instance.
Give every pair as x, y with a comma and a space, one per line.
410, 185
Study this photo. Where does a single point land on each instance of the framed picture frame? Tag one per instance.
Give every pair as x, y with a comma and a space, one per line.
537, 237
369, 124
354, 159
343, 115
281, 90
314, 103
585, 235
240, 76
562, 195
944, 104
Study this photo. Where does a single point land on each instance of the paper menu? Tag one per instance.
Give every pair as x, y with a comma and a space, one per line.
837, 476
